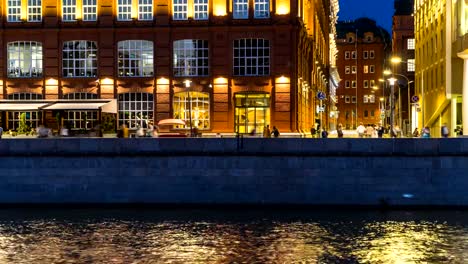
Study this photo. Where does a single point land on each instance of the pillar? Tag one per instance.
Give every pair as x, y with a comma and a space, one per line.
464, 56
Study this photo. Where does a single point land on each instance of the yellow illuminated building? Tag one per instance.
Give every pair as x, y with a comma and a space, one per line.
441, 33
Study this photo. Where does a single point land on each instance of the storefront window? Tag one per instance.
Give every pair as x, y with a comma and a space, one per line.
252, 112
32, 118
195, 103
136, 109
80, 119
24, 59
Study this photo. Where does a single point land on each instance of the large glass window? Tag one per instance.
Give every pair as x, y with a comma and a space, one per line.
261, 8
33, 118
14, 10
191, 57
124, 10
240, 9
34, 10
251, 57
252, 112
136, 109
179, 9
68, 10
80, 119
24, 59
201, 9
410, 44
193, 106
145, 9
89, 10
135, 58
79, 59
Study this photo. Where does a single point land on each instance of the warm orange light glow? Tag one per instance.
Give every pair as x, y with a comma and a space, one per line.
107, 81
282, 79
387, 72
220, 80
51, 82
163, 80
282, 10
395, 60
134, 9
24, 10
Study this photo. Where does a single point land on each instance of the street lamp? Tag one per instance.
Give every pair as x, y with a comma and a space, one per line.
392, 111
187, 85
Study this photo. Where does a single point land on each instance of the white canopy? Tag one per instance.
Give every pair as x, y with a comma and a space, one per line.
21, 106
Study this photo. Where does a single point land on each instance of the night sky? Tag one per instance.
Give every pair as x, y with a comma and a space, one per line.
378, 10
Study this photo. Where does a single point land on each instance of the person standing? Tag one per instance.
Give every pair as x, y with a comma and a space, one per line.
444, 131
416, 133
266, 132
275, 132
426, 133
339, 131
361, 130
324, 132
380, 131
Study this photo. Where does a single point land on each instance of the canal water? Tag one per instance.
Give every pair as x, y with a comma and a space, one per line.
232, 236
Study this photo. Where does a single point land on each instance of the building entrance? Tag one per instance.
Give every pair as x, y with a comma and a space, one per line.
252, 112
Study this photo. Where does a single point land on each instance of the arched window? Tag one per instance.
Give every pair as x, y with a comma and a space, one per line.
135, 58
194, 107
24, 59
136, 109
80, 119
79, 58
33, 118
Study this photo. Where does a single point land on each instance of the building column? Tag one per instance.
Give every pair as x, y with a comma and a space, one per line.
464, 56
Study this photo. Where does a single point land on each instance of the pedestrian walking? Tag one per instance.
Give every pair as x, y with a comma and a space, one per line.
266, 132
275, 132
339, 131
361, 130
324, 132
425, 133
416, 132
444, 131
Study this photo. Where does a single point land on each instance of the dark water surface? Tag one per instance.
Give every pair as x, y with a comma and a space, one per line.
232, 236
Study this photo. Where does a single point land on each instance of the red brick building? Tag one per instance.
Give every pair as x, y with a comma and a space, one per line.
225, 66
362, 47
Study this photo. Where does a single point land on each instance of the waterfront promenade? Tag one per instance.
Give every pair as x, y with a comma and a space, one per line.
254, 171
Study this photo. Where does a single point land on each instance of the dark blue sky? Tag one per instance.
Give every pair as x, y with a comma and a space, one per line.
378, 10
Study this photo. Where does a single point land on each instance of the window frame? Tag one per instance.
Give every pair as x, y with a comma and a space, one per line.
68, 10
194, 60
34, 10
259, 57
16, 15
89, 10
80, 57
240, 9
124, 10
135, 61
19, 59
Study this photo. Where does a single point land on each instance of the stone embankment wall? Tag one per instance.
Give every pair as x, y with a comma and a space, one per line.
234, 171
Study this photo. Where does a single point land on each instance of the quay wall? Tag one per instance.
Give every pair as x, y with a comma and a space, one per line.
250, 171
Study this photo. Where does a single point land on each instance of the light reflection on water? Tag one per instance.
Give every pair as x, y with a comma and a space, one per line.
247, 236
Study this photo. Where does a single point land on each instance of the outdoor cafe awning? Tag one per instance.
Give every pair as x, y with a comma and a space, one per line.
105, 105
21, 106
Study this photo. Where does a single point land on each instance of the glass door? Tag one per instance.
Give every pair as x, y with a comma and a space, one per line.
252, 112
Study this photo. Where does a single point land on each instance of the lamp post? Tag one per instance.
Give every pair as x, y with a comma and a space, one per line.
392, 111
187, 85
408, 82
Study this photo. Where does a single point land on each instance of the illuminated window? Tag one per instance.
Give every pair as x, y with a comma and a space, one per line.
366, 69
14, 11
353, 69
124, 10
240, 9
136, 109
33, 118
24, 59
366, 99
89, 10
201, 9
79, 59
371, 98
411, 67
191, 57
135, 58
251, 57
145, 9
261, 8
372, 83
180, 9
34, 10
81, 119
410, 44
68, 10
195, 103
353, 84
